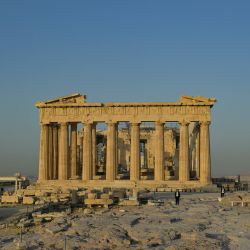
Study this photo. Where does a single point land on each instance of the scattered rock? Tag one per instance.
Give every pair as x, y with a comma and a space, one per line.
173, 234
87, 211
56, 228
174, 220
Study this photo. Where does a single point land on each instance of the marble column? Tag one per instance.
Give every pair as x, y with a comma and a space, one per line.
116, 149
81, 156
184, 152
63, 171
50, 159
73, 150
197, 154
135, 152
159, 151
94, 151
87, 171
43, 158
111, 152
55, 152
205, 160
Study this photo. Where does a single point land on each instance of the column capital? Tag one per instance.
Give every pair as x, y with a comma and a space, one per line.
184, 123
111, 122
159, 123
204, 123
135, 124
87, 123
44, 123
63, 123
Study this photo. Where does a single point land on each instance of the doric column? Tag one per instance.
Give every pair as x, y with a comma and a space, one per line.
197, 154
116, 149
111, 152
94, 152
81, 155
87, 171
73, 150
63, 172
205, 162
159, 151
43, 158
135, 152
55, 152
184, 152
50, 157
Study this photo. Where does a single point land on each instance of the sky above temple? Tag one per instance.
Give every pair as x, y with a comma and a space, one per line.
122, 51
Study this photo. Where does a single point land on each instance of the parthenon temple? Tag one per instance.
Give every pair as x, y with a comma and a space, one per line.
149, 144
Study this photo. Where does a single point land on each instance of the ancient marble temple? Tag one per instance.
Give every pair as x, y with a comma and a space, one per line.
132, 156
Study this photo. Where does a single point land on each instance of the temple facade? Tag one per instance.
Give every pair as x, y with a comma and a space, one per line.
136, 146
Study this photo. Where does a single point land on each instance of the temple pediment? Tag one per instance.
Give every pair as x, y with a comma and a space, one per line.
197, 100
68, 99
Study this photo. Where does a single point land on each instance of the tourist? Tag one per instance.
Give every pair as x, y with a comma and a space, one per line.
177, 197
222, 193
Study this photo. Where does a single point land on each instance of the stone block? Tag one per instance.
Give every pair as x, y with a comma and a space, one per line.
30, 192
155, 202
129, 203
10, 199
26, 223
98, 201
92, 195
20, 192
40, 193
28, 200
106, 196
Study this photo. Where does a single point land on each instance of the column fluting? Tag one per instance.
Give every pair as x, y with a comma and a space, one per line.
159, 151
135, 152
63, 171
55, 152
205, 160
73, 150
111, 152
43, 158
87, 171
184, 152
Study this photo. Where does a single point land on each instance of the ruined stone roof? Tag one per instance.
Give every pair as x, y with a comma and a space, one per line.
80, 100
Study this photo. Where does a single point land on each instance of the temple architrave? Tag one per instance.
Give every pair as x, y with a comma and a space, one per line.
143, 152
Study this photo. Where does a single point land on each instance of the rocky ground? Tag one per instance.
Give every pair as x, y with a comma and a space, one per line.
200, 222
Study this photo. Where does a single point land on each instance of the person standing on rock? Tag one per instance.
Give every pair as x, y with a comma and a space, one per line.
177, 197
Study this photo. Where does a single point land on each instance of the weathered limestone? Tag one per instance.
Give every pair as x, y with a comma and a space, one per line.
55, 152
50, 157
159, 151
94, 153
170, 160
73, 150
135, 152
205, 169
63, 172
87, 173
197, 154
43, 160
27, 200
184, 152
10, 199
111, 152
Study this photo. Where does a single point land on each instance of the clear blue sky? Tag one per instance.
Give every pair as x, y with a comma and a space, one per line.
124, 51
